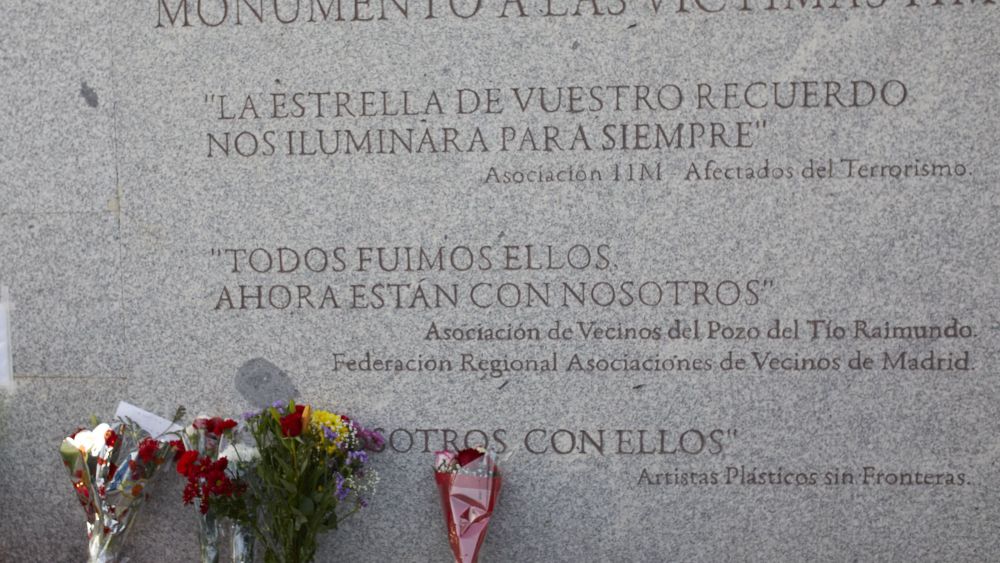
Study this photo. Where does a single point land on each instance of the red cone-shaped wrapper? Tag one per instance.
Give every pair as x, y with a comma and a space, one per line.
468, 502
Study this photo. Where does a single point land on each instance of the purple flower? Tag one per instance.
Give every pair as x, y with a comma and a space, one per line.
342, 489
371, 439
280, 406
360, 456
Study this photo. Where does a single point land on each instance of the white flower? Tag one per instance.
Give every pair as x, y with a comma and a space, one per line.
90, 441
240, 453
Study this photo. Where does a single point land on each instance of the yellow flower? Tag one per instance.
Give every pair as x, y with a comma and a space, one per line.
339, 430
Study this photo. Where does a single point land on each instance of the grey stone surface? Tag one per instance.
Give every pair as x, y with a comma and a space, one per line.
65, 284
116, 226
262, 383
56, 143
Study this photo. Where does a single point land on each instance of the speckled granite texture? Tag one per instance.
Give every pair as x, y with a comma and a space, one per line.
118, 234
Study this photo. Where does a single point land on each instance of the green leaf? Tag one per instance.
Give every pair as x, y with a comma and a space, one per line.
179, 414
69, 453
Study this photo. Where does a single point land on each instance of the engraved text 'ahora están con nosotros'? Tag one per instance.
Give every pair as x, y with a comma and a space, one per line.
310, 290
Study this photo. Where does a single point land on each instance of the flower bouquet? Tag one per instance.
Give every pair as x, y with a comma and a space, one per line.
469, 483
111, 467
308, 471
199, 461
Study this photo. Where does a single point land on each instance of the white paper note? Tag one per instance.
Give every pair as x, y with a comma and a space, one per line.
154, 424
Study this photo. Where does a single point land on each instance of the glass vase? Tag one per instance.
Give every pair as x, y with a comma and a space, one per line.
242, 544
208, 538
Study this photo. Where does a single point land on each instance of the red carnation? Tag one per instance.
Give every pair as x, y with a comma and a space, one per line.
110, 438
187, 462
178, 447
216, 426
190, 491
216, 481
207, 479
147, 449
291, 423
225, 424
469, 455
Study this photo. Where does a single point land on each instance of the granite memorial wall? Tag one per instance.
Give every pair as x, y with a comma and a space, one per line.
716, 278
